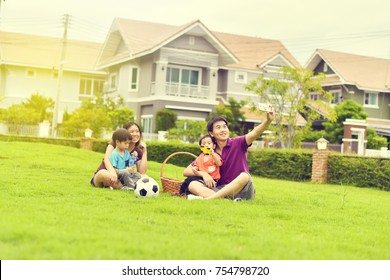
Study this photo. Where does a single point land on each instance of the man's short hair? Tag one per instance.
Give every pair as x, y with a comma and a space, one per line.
211, 123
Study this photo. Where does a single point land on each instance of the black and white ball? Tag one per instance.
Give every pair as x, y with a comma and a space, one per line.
146, 187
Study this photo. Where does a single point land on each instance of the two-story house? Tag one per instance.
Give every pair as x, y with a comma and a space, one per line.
363, 79
29, 64
183, 68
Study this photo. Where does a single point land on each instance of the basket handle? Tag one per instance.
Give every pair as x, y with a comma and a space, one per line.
172, 155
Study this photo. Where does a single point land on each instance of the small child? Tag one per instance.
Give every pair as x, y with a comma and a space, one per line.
123, 161
207, 161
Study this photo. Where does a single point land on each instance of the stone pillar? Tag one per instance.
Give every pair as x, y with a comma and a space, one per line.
86, 143
319, 171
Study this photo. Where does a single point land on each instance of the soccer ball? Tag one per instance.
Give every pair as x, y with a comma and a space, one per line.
146, 187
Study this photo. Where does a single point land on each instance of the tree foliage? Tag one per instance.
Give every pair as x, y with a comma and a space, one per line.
187, 131
348, 109
288, 92
98, 114
42, 105
165, 120
120, 116
232, 113
31, 112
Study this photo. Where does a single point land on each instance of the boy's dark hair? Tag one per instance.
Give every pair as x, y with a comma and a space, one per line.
203, 137
211, 123
121, 135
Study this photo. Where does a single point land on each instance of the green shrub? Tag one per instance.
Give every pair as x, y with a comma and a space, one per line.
359, 171
292, 165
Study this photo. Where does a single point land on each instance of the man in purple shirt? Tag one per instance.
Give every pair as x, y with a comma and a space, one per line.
235, 182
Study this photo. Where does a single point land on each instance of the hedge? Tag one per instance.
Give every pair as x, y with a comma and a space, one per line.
294, 165
359, 171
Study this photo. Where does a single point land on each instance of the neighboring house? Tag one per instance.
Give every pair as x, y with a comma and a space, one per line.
363, 79
29, 64
187, 69
183, 68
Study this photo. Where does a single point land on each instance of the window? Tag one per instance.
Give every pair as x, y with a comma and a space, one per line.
134, 77
146, 123
182, 76
113, 81
337, 97
325, 67
314, 96
370, 99
31, 73
91, 86
240, 77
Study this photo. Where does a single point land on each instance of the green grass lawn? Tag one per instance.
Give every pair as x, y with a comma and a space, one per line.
49, 211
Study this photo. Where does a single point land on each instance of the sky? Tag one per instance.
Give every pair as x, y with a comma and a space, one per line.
357, 27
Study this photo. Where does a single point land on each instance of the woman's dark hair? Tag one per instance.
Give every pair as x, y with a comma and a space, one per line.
130, 124
211, 123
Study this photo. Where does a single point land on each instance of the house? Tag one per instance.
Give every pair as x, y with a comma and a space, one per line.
29, 64
363, 79
188, 69
183, 68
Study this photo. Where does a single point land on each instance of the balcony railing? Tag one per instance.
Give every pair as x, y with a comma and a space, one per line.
184, 90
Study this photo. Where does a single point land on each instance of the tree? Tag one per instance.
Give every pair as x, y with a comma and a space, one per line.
348, 109
17, 116
41, 105
288, 92
120, 116
165, 119
31, 112
93, 114
187, 131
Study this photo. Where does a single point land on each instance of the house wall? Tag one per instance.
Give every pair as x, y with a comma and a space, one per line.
193, 43
228, 87
18, 87
381, 112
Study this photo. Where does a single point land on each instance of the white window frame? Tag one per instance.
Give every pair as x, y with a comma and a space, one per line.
91, 90
146, 123
113, 77
325, 68
199, 70
367, 96
31, 73
336, 93
314, 96
133, 85
240, 80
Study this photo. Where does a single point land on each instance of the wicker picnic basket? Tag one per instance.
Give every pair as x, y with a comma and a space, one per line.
169, 184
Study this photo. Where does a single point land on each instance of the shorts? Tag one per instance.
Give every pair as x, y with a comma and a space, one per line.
248, 192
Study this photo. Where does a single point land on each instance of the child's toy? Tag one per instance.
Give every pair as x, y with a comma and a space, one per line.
206, 150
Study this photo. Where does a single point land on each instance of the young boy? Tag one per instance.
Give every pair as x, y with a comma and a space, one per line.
208, 161
123, 161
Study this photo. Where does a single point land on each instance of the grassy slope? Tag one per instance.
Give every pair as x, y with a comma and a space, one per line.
49, 211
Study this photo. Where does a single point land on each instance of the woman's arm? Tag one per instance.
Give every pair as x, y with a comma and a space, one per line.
107, 163
142, 164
